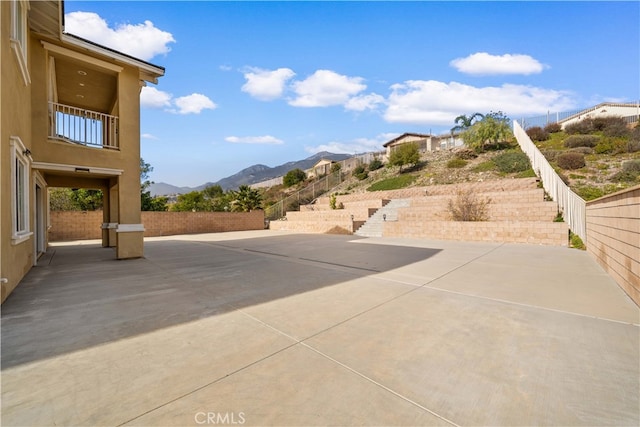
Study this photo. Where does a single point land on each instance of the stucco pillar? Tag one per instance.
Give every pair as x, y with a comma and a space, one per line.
130, 232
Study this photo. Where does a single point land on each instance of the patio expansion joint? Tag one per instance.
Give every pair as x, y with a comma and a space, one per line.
210, 383
347, 367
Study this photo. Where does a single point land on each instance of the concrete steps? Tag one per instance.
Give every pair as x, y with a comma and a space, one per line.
374, 226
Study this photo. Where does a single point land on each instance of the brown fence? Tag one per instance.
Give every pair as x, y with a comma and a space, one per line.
88, 225
613, 237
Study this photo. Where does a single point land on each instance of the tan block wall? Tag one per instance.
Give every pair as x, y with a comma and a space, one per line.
551, 233
87, 225
613, 237
407, 193
327, 222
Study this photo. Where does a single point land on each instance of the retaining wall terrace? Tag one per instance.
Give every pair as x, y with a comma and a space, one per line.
544, 233
73, 225
613, 237
445, 189
327, 222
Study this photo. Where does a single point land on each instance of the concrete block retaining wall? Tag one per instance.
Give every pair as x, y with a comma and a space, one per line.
87, 225
452, 189
613, 237
551, 233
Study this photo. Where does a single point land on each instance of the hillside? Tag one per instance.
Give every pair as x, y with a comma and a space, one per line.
251, 175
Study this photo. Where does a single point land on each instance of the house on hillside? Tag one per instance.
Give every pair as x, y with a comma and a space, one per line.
323, 167
629, 111
425, 142
70, 117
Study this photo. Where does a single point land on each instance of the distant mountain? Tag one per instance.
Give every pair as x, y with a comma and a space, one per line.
250, 175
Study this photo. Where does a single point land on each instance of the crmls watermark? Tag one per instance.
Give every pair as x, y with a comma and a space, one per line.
219, 418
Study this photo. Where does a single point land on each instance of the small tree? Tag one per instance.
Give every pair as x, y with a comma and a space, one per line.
293, 177
193, 201
492, 129
147, 201
405, 154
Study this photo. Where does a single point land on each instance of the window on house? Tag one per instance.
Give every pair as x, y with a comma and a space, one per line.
19, 35
19, 191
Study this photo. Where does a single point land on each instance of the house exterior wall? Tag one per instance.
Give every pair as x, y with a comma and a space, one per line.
26, 116
613, 237
15, 121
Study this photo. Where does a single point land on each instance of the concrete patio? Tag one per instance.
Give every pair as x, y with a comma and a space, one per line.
275, 328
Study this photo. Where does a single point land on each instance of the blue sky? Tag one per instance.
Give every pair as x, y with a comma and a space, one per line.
270, 82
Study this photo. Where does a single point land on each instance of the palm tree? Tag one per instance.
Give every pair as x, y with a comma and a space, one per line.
463, 122
246, 199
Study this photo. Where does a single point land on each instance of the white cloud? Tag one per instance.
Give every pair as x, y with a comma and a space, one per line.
143, 41
438, 103
193, 104
151, 97
266, 85
225, 68
266, 139
358, 145
148, 136
364, 102
487, 64
325, 88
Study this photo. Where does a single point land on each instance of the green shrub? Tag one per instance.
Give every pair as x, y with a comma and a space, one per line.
513, 161
631, 166
630, 172
456, 163
332, 201
633, 146
606, 146
529, 173
393, 183
602, 124
581, 141
536, 133
293, 177
576, 242
588, 192
583, 150
335, 167
571, 160
553, 128
484, 166
360, 172
583, 127
375, 164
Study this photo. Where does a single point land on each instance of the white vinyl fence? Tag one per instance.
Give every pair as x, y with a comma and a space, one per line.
573, 207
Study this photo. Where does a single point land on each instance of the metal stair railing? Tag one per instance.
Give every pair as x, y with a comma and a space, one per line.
303, 196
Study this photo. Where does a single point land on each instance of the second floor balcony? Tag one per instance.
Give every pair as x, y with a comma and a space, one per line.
83, 127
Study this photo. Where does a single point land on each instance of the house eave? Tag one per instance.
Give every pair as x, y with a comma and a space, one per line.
148, 72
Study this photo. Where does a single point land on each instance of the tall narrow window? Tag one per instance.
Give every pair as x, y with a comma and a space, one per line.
19, 35
20, 191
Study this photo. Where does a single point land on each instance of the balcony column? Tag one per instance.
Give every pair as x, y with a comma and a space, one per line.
110, 214
130, 231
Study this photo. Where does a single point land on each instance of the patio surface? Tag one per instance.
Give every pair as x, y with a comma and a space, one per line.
275, 328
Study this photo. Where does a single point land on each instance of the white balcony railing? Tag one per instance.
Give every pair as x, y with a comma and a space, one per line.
83, 127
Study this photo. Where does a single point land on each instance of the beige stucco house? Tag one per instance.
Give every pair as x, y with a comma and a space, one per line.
425, 142
323, 167
69, 117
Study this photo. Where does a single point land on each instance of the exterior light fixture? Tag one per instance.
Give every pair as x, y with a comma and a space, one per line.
384, 217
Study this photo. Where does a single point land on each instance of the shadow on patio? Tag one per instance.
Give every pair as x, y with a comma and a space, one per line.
79, 296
